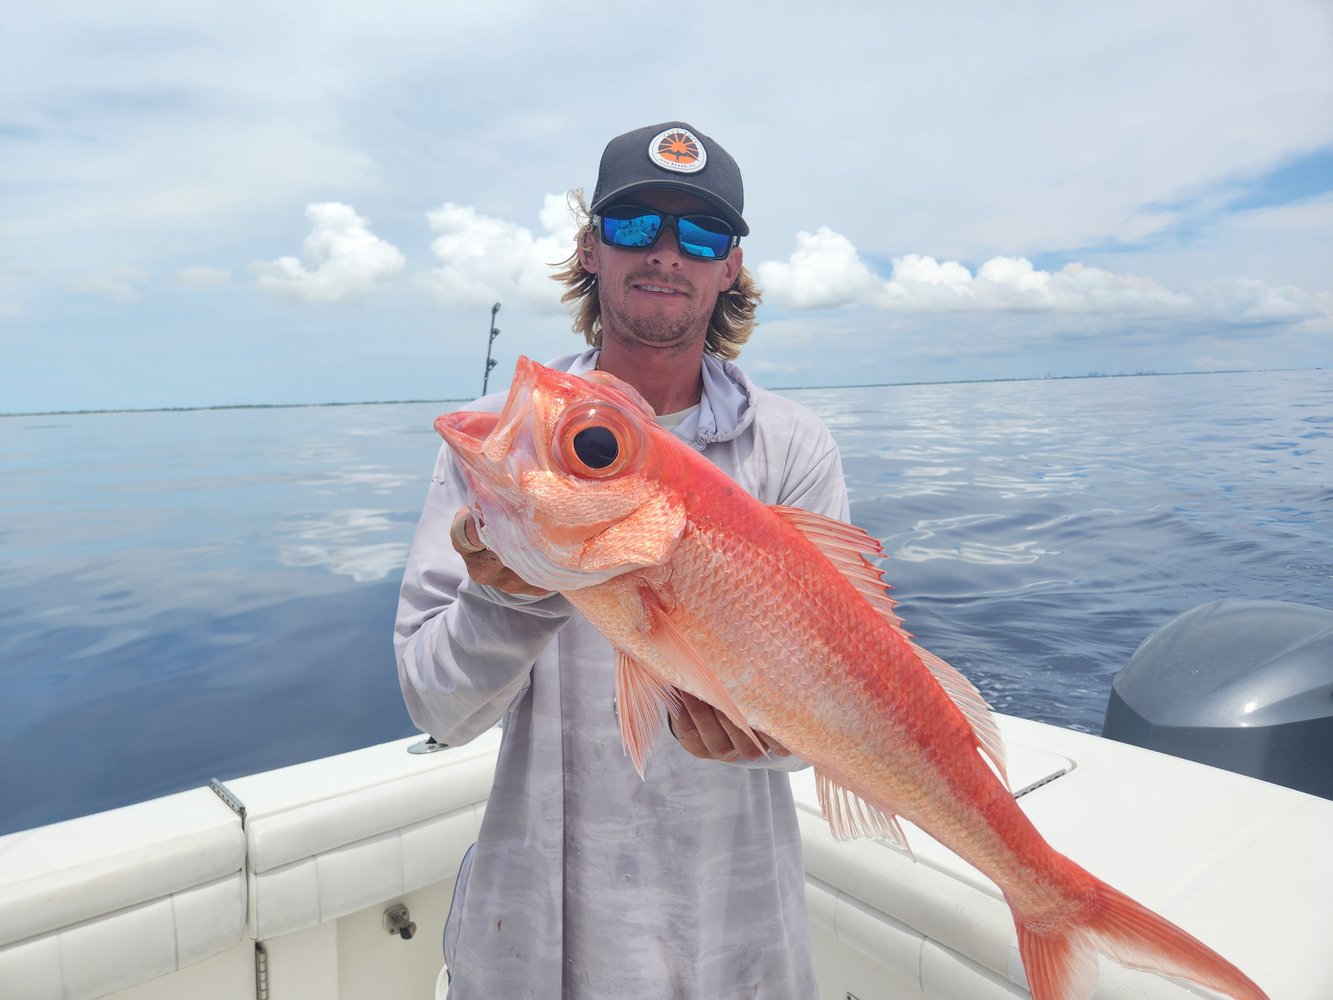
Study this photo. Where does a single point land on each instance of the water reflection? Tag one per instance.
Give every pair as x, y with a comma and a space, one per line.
188, 595
342, 542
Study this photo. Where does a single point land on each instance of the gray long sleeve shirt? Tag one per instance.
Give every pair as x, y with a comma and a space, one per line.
586, 881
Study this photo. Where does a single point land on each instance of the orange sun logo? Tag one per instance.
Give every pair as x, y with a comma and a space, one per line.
677, 149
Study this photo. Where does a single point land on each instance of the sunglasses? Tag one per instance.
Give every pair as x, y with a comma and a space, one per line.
638, 228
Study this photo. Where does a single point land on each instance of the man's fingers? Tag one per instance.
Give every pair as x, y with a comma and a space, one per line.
483, 565
687, 735
772, 745
705, 732
463, 534
686, 728
742, 745
712, 732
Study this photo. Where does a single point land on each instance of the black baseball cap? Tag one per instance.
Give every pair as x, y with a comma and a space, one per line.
671, 155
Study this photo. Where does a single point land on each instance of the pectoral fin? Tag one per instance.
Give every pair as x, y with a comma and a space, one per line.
640, 698
698, 678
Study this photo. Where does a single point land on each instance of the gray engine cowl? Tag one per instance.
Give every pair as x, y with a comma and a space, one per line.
1242, 685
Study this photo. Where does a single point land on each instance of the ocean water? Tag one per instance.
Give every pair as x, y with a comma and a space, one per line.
198, 594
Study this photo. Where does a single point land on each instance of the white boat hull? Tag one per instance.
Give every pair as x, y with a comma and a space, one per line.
181, 897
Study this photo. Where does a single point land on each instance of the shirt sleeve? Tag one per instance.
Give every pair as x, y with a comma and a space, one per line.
812, 474
465, 651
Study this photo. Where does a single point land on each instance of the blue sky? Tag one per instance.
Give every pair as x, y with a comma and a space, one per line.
228, 203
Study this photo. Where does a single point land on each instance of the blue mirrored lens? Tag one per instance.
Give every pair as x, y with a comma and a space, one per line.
636, 231
696, 235
699, 240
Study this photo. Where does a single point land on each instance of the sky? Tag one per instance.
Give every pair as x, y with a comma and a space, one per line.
297, 202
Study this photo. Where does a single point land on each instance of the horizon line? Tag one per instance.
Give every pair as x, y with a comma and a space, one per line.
785, 388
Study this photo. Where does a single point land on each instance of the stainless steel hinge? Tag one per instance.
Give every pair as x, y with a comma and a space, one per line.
261, 971
228, 797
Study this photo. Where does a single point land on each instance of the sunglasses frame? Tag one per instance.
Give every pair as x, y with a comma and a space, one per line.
733, 240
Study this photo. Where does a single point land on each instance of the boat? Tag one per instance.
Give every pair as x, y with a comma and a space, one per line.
331, 879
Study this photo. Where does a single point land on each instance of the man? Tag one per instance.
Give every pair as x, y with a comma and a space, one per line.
587, 881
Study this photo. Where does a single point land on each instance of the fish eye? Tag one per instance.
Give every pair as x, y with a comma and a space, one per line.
596, 440
596, 447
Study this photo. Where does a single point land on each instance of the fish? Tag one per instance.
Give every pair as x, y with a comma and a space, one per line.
778, 618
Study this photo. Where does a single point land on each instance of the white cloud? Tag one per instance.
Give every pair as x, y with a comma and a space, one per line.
825, 271
484, 259
920, 282
346, 260
1249, 300
203, 277
117, 284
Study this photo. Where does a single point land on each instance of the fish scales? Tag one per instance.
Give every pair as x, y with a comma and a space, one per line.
813, 664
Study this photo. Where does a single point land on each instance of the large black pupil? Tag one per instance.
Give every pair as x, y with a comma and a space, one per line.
596, 447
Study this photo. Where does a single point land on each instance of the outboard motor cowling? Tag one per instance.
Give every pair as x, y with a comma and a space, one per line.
1242, 685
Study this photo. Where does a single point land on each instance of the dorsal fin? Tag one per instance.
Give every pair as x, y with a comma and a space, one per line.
845, 546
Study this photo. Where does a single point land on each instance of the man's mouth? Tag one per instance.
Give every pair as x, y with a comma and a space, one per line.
659, 289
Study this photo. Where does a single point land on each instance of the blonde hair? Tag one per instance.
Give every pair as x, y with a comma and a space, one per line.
729, 327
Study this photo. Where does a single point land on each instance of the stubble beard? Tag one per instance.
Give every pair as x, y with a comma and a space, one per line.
654, 329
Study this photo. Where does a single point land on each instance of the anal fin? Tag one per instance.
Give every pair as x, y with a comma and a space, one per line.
851, 816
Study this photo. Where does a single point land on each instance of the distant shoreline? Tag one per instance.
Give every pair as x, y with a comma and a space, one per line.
785, 388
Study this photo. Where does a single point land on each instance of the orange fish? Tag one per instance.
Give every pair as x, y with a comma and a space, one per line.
774, 616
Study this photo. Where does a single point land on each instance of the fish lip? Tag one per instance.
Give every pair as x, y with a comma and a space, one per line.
465, 431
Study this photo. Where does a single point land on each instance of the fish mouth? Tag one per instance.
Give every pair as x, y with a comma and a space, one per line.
466, 431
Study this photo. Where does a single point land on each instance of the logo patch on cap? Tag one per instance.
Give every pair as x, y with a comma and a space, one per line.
679, 150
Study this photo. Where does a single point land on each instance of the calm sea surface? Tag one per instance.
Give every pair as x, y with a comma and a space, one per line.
186, 595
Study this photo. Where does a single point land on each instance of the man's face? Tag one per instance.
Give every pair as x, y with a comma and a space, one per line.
658, 296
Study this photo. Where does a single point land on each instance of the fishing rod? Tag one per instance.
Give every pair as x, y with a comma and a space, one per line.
490, 361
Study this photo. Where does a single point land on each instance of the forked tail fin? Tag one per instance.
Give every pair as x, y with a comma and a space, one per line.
1061, 963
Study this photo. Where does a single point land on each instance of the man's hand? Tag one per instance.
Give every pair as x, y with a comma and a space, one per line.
483, 565
708, 734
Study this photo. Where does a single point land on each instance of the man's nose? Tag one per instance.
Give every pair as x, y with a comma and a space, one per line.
666, 251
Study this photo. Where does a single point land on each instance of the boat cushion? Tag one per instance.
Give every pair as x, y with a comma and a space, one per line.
332, 836
101, 902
